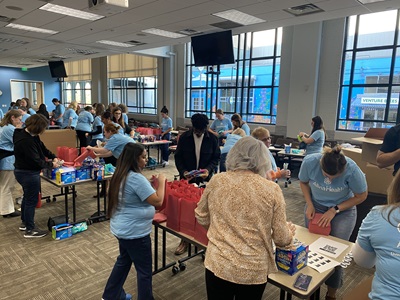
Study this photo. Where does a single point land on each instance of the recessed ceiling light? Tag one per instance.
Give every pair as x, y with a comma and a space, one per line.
238, 17
30, 28
165, 33
112, 43
58, 9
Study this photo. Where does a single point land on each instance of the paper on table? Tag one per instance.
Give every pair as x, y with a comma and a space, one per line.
328, 247
320, 262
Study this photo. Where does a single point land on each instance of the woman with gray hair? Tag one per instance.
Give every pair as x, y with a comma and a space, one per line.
244, 213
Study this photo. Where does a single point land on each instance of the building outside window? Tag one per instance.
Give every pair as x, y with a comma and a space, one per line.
132, 80
248, 87
370, 81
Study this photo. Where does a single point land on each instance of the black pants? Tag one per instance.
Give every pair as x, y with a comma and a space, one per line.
219, 289
83, 140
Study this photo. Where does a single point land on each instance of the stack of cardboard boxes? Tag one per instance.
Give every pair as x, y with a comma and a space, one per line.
378, 179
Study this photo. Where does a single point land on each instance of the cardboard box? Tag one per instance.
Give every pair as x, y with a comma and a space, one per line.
378, 180
61, 232
371, 143
356, 155
50, 173
293, 260
59, 137
65, 175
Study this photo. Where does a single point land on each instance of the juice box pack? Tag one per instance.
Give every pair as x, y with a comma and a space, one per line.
293, 259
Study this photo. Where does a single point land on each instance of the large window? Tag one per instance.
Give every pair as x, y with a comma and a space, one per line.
138, 94
77, 86
132, 80
248, 87
370, 83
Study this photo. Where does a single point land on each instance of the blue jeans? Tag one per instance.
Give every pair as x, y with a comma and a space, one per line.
222, 167
342, 226
138, 252
30, 182
165, 148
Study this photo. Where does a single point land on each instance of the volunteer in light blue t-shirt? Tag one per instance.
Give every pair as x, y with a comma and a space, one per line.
237, 122
332, 185
131, 207
231, 140
84, 126
315, 142
221, 126
378, 245
70, 118
166, 127
115, 142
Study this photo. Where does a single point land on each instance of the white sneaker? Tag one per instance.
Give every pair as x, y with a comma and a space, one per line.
165, 163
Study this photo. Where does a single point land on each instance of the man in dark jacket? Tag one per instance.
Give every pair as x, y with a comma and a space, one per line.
197, 149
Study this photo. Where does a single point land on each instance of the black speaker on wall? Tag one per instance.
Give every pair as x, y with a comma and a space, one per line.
57, 69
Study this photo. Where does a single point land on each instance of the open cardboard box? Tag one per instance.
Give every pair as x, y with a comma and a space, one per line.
356, 155
58, 137
378, 180
371, 143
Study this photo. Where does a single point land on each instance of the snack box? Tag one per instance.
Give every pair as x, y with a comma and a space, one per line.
50, 173
61, 231
65, 175
292, 260
83, 173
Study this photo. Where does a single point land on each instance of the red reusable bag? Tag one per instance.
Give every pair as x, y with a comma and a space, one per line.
314, 228
173, 211
187, 216
200, 233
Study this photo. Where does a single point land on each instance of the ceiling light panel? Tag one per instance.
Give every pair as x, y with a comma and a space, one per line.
58, 9
165, 33
369, 1
238, 17
112, 43
30, 28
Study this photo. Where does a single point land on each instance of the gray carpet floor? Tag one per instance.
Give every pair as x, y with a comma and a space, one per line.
78, 267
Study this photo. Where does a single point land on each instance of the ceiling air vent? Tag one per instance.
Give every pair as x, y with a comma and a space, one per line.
13, 41
226, 25
136, 43
189, 31
302, 10
82, 51
6, 19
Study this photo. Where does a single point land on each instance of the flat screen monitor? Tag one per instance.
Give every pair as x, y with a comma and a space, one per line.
57, 69
213, 49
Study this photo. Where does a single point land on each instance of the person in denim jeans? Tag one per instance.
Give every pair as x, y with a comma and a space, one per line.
333, 185
30, 158
131, 207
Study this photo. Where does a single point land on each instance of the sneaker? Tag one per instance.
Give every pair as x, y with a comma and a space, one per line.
12, 215
165, 163
18, 200
35, 233
128, 296
22, 227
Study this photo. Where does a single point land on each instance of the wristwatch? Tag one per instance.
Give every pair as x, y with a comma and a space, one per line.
336, 208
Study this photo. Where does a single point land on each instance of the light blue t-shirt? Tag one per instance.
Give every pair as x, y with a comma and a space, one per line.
246, 128
97, 122
273, 162
25, 117
341, 188
60, 109
6, 143
126, 119
221, 125
69, 113
134, 215
117, 143
377, 235
31, 111
85, 120
1, 114
319, 139
166, 123
230, 142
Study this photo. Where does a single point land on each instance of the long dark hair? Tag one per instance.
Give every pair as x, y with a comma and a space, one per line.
128, 161
318, 124
237, 118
